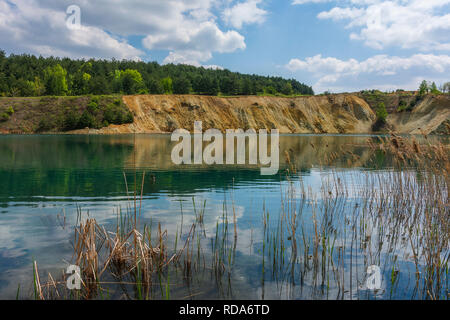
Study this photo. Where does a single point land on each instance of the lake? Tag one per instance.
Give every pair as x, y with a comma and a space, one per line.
45, 180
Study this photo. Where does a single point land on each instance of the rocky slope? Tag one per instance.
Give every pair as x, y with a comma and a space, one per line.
318, 114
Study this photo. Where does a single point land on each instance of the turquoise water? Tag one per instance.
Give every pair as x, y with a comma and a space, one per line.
45, 178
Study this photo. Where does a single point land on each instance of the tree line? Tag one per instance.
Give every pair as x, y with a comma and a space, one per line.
427, 87
28, 75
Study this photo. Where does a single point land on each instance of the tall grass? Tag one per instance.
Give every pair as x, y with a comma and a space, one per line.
319, 246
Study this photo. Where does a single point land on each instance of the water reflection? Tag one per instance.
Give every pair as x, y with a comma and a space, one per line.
45, 178
92, 166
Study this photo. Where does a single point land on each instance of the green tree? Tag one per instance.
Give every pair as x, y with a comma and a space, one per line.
154, 86
99, 85
287, 89
247, 88
212, 87
39, 87
181, 86
423, 88
270, 90
381, 113
55, 80
132, 81
79, 77
167, 85
25, 87
434, 89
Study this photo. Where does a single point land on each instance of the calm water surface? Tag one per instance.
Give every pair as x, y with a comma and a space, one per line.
43, 178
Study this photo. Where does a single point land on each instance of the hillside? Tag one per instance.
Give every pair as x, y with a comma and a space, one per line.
340, 113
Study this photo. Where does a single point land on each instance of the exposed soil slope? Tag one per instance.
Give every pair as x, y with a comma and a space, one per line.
318, 114
339, 113
430, 115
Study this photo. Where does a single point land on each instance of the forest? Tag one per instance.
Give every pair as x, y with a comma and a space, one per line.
27, 75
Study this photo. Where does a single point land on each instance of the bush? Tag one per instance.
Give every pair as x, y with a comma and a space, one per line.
92, 107
87, 120
381, 113
117, 115
95, 100
4, 117
381, 117
71, 120
402, 106
10, 111
46, 124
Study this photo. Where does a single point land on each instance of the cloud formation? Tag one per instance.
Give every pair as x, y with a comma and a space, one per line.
27, 27
246, 12
331, 72
380, 24
188, 29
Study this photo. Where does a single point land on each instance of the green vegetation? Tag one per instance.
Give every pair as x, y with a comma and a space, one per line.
182, 86
425, 88
27, 75
403, 106
55, 80
382, 114
167, 85
98, 113
129, 82
5, 116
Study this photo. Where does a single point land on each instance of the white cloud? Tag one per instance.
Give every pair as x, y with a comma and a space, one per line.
26, 27
309, 1
404, 23
186, 28
246, 12
341, 13
331, 72
195, 42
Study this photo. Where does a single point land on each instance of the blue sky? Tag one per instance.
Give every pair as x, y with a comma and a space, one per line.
334, 45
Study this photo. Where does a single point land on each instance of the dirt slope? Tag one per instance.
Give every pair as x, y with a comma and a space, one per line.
428, 116
319, 114
339, 113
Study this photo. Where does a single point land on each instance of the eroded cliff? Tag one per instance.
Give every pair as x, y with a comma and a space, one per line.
339, 113
318, 114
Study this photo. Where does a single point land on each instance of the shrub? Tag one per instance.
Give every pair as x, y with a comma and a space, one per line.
71, 120
381, 113
46, 124
92, 107
4, 117
381, 117
10, 111
87, 120
95, 100
117, 114
402, 106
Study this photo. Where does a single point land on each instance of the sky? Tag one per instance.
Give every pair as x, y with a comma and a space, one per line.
333, 45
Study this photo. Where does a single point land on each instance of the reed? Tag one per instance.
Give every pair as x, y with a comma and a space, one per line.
318, 246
